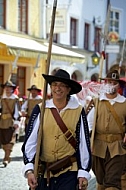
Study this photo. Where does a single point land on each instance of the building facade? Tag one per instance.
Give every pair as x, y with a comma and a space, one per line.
86, 20
78, 35
23, 48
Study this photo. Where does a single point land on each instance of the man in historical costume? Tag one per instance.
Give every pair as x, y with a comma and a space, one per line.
29, 104
65, 155
110, 134
9, 119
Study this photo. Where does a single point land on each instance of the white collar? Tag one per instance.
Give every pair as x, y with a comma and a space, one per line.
118, 98
12, 96
72, 103
36, 98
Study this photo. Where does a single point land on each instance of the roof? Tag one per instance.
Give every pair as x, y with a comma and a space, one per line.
30, 48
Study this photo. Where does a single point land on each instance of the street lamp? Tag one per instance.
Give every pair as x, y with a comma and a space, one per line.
95, 58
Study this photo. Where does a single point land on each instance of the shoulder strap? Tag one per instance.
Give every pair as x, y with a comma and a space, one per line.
67, 132
89, 107
115, 115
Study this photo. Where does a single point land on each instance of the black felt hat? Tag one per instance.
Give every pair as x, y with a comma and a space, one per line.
8, 84
113, 75
34, 87
63, 76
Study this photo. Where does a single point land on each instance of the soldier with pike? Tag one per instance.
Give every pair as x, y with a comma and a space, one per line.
109, 142
9, 119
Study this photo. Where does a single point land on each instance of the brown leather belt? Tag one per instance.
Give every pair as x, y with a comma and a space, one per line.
60, 165
56, 167
109, 138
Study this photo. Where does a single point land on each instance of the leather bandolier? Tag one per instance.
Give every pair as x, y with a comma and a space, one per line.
89, 107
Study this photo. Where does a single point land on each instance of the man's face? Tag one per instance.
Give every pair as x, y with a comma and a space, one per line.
59, 90
8, 89
34, 93
112, 86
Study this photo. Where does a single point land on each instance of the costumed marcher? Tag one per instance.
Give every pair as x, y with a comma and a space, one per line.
65, 156
110, 135
29, 104
9, 119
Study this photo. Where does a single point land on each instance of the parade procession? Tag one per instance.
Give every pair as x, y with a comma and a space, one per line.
62, 95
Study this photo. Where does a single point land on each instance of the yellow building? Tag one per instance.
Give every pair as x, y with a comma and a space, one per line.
22, 50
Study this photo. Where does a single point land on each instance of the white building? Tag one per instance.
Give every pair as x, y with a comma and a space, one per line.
117, 24
82, 25
85, 20
78, 27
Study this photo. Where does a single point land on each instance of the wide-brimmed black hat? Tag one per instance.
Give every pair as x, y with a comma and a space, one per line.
114, 75
34, 87
63, 76
9, 84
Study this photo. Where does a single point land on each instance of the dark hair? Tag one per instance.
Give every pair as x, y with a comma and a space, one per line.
94, 77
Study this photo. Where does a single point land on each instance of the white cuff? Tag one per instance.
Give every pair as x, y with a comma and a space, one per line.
27, 167
16, 122
83, 173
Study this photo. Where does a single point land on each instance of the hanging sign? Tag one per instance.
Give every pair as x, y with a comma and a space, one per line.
60, 21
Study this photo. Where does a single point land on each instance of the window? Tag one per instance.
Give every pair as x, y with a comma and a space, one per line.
55, 37
73, 31
21, 75
86, 36
23, 16
2, 13
97, 39
114, 21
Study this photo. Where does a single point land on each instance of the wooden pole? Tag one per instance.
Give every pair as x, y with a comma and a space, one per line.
96, 104
45, 89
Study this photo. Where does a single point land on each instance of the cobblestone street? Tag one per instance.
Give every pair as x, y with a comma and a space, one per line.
11, 177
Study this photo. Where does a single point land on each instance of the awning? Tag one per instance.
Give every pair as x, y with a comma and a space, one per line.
30, 48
